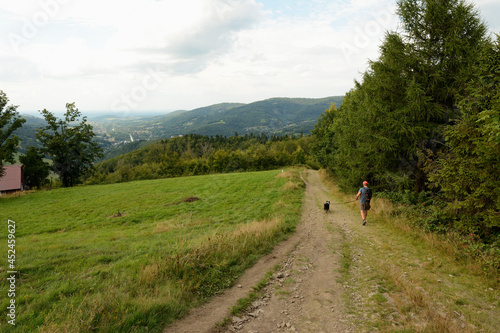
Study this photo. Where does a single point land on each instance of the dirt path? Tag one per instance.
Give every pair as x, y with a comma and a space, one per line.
305, 295
337, 275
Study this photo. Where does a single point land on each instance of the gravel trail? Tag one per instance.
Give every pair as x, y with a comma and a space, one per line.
304, 295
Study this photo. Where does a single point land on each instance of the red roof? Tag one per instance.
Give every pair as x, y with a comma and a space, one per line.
12, 179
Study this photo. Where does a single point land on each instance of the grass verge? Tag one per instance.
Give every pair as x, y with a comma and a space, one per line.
400, 279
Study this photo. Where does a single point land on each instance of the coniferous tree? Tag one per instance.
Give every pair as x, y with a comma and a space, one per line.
407, 95
323, 146
444, 40
467, 170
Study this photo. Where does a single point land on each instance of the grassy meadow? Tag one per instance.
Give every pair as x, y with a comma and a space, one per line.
133, 257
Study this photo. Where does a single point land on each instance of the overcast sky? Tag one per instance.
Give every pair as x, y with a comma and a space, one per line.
134, 55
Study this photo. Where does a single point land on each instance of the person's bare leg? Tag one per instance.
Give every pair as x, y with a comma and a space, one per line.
364, 213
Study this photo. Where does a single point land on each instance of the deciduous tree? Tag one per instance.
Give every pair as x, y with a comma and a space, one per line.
10, 120
35, 169
70, 144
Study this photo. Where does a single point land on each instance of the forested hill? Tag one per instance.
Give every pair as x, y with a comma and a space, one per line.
272, 116
27, 132
280, 116
195, 154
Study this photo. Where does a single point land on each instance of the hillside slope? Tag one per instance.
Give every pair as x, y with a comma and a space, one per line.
276, 115
133, 257
27, 133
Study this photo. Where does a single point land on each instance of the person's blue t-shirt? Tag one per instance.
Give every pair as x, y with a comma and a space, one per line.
363, 198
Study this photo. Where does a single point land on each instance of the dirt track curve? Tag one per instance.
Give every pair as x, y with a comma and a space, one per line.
305, 295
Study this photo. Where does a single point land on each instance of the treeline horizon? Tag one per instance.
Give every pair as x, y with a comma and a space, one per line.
196, 154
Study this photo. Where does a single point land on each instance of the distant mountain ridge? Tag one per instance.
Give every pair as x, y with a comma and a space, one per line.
270, 116
280, 116
275, 115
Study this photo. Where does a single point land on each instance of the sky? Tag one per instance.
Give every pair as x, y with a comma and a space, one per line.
163, 55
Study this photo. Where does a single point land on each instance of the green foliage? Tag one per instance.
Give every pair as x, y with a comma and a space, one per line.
70, 145
35, 169
123, 148
323, 146
443, 39
404, 99
196, 155
467, 171
9, 122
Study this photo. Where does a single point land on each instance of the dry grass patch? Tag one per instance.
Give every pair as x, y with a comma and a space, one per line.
285, 174
149, 273
16, 194
290, 186
164, 227
260, 229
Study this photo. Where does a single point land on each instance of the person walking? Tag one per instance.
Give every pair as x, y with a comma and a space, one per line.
365, 195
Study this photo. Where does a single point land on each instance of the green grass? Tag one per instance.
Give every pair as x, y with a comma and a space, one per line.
81, 269
405, 280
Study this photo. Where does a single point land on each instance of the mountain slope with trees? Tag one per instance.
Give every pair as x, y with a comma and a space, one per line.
281, 116
272, 116
196, 154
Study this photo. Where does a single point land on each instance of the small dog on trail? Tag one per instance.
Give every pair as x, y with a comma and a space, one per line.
326, 207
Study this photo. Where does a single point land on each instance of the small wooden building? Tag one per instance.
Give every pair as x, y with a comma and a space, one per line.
13, 179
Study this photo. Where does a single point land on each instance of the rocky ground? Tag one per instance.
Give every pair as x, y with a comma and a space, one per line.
305, 295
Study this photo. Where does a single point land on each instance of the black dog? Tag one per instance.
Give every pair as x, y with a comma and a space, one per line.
326, 207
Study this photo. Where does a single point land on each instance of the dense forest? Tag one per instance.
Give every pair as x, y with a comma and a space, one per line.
195, 154
423, 124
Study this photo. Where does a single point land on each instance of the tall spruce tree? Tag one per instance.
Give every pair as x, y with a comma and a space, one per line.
467, 170
444, 39
407, 95
323, 146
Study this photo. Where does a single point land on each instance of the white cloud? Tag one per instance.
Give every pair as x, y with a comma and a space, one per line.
145, 54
